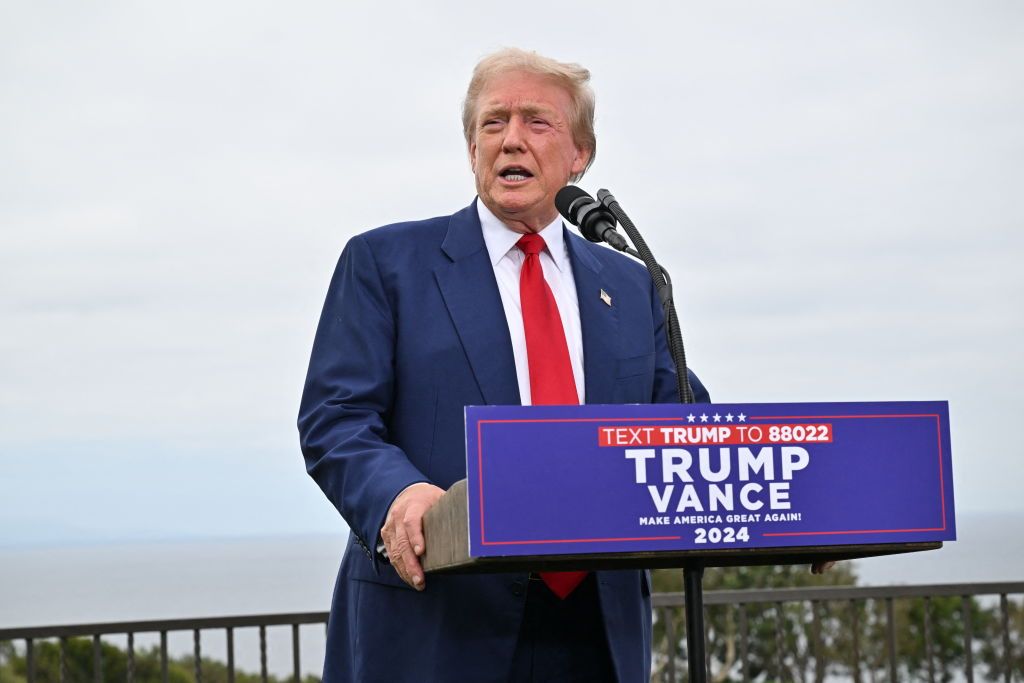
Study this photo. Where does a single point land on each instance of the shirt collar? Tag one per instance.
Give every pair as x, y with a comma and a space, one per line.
500, 239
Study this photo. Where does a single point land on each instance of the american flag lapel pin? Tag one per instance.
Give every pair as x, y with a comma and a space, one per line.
606, 298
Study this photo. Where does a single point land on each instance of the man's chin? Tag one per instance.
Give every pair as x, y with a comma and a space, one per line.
514, 202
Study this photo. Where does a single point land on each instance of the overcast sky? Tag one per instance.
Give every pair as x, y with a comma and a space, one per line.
836, 188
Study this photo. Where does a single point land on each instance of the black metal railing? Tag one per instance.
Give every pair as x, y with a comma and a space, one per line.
31, 635
789, 620
794, 618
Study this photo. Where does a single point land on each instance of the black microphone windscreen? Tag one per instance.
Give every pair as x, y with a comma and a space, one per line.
564, 199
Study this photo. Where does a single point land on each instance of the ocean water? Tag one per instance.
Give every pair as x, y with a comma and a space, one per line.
179, 579
117, 582
989, 547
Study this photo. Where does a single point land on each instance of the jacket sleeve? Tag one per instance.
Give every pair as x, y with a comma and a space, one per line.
348, 396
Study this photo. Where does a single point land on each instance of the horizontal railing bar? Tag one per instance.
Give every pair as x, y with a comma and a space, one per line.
154, 626
772, 595
723, 597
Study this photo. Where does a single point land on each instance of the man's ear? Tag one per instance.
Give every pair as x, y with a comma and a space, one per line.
580, 161
472, 156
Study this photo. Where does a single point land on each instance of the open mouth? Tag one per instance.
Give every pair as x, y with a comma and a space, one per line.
515, 174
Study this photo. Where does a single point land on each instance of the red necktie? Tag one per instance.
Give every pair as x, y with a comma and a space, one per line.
547, 354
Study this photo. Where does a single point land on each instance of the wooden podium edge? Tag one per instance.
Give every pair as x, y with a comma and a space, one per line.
446, 532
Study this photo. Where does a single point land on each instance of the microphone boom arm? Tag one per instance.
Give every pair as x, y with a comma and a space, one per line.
663, 284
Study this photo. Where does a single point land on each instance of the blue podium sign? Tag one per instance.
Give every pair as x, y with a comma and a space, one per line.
557, 480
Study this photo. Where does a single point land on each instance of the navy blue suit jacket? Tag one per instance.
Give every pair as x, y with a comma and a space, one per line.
413, 331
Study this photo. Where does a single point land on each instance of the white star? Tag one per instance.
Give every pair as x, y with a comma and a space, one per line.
741, 417
703, 417
718, 418
690, 418
728, 417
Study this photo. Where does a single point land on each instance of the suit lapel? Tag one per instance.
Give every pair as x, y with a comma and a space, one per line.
599, 322
471, 295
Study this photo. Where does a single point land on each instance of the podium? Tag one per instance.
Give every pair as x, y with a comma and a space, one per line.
692, 486
592, 487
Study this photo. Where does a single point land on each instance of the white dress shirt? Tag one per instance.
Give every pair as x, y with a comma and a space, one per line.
507, 260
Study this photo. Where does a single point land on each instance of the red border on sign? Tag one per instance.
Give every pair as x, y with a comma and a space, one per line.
480, 477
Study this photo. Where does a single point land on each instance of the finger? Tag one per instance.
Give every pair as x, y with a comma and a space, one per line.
406, 563
397, 547
393, 548
413, 570
414, 531
395, 557
822, 567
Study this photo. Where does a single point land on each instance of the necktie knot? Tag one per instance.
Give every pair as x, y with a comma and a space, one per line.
531, 244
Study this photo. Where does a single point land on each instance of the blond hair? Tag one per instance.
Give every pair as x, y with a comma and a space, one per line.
572, 77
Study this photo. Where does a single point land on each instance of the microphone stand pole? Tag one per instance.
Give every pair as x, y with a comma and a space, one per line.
693, 573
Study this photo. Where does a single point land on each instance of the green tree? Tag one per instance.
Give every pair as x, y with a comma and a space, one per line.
994, 653
766, 624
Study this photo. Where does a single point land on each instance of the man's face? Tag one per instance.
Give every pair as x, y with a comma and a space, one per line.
523, 151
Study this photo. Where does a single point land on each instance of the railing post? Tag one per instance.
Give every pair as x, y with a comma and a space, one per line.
1004, 608
263, 653
295, 653
855, 627
744, 644
696, 656
928, 655
706, 635
97, 660
231, 654
780, 659
890, 639
131, 657
30, 659
965, 607
163, 656
819, 669
197, 656
63, 659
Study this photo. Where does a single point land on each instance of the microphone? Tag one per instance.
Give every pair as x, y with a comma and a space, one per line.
595, 222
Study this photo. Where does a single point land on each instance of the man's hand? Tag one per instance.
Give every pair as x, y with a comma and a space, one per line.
402, 532
821, 567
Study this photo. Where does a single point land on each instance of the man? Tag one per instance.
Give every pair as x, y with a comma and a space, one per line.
496, 304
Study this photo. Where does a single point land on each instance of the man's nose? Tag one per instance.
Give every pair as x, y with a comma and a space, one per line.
515, 136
